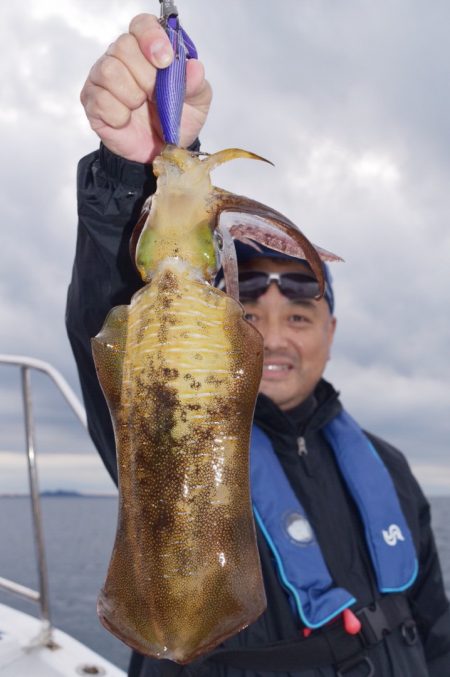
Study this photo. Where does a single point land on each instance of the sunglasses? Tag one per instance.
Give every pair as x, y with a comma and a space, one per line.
295, 286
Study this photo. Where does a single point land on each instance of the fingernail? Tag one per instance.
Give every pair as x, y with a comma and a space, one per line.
161, 54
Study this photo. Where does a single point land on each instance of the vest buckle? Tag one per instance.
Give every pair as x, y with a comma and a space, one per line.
374, 624
409, 633
346, 668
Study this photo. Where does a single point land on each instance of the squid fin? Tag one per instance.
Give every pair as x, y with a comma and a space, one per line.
108, 349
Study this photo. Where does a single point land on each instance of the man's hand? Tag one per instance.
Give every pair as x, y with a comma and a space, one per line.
118, 94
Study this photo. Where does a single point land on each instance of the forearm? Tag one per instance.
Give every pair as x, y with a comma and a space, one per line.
438, 649
428, 599
111, 192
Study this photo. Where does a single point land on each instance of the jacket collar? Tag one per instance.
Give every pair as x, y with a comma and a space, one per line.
284, 427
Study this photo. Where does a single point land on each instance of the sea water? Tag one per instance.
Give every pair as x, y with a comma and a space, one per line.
79, 535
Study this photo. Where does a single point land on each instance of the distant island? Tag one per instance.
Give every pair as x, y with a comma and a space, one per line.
59, 493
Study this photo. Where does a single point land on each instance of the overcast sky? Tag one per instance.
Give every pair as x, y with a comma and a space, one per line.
349, 100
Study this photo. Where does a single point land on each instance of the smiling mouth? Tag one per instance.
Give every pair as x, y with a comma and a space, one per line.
277, 367
276, 372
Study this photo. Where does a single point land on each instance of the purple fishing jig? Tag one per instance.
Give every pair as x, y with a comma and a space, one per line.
171, 81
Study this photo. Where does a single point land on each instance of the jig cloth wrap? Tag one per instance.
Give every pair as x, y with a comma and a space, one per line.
171, 81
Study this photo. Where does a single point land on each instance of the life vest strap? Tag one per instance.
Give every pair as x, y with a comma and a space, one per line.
330, 645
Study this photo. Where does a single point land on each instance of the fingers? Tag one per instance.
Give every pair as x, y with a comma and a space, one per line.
124, 78
198, 90
152, 40
104, 108
195, 78
125, 70
114, 76
118, 93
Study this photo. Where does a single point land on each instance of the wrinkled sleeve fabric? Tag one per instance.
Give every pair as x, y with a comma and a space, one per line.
427, 597
429, 603
111, 192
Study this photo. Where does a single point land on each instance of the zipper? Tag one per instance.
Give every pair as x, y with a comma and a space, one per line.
301, 446
302, 453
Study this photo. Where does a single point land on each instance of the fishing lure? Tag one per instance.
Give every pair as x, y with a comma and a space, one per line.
180, 368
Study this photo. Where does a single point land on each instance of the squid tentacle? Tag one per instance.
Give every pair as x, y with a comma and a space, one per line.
222, 156
274, 230
229, 263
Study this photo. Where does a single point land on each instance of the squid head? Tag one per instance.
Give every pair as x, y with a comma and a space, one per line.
190, 219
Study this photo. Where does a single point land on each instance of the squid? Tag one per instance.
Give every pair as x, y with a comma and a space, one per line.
180, 369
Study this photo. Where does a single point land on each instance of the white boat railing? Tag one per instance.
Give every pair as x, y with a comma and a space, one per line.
26, 364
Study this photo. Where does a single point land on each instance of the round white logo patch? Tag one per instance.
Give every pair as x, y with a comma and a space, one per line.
298, 528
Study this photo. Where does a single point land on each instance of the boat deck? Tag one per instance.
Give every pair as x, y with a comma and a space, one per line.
22, 654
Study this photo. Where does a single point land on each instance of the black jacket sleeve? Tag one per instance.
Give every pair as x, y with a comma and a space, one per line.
429, 604
111, 192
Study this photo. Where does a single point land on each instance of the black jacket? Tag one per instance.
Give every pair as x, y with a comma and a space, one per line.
110, 196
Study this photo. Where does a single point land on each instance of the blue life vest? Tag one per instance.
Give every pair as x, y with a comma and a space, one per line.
282, 519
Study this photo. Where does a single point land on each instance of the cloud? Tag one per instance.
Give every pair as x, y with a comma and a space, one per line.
409, 411
434, 478
346, 99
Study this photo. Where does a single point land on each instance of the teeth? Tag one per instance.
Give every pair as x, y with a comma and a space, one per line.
276, 367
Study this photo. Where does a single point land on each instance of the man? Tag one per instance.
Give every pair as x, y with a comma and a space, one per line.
406, 634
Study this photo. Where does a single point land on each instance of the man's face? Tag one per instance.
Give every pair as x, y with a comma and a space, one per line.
297, 337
